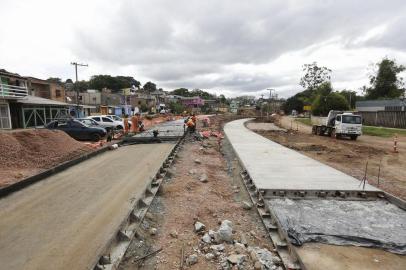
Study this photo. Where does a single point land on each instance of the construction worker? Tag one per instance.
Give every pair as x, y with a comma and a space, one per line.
191, 125
194, 119
134, 123
126, 126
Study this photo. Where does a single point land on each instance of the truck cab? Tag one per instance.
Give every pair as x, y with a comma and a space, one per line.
347, 124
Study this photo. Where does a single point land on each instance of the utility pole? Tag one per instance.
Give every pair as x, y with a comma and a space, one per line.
271, 97
76, 82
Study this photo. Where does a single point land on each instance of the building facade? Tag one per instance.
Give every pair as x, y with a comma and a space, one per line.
46, 89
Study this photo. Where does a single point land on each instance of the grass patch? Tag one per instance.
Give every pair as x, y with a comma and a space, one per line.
305, 121
383, 132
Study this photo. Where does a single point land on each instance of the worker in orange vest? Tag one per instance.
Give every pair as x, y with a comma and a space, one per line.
194, 119
126, 126
191, 125
134, 123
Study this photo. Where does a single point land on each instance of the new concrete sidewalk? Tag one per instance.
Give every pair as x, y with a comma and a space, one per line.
275, 167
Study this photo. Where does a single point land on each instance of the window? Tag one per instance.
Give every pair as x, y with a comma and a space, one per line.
350, 119
96, 119
105, 119
4, 116
338, 119
76, 124
58, 93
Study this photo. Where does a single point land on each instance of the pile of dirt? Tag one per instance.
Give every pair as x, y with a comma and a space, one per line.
26, 152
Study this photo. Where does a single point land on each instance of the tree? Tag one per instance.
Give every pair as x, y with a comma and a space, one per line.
201, 93
386, 83
55, 80
314, 76
114, 83
293, 103
333, 101
176, 107
81, 86
222, 99
184, 92
149, 87
350, 96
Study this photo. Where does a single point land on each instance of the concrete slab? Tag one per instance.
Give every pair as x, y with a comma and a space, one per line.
64, 221
275, 167
165, 129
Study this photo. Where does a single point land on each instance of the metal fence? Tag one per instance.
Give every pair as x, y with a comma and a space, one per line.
392, 119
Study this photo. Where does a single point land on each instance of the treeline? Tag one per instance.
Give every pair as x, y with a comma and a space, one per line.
385, 83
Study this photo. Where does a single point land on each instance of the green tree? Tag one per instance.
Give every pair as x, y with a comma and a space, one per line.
55, 80
176, 107
114, 83
293, 103
149, 87
81, 85
184, 92
314, 76
350, 96
386, 83
333, 101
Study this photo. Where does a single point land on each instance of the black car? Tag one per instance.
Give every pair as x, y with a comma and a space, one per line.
78, 130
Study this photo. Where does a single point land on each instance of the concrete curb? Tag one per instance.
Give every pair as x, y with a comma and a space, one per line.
38, 177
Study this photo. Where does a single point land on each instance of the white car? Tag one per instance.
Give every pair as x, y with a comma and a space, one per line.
107, 122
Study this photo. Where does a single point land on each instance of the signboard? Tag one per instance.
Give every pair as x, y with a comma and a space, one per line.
307, 108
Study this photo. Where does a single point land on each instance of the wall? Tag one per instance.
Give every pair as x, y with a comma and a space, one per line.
395, 119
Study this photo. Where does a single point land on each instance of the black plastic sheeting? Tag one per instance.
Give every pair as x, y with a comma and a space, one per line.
377, 224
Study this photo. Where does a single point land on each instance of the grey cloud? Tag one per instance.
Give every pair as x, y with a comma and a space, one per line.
179, 43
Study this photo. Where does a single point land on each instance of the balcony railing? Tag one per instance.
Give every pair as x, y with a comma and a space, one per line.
12, 91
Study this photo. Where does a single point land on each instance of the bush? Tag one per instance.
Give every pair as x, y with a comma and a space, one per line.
176, 107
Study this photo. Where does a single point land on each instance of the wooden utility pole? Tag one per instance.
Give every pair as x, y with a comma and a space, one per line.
76, 86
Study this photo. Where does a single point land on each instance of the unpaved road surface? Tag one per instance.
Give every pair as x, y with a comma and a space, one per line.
64, 221
184, 199
348, 156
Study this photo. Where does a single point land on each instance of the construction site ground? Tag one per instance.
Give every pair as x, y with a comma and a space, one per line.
66, 220
184, 199
345, 155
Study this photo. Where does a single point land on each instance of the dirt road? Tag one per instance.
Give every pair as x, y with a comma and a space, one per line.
349, 156
185, 199
64, 221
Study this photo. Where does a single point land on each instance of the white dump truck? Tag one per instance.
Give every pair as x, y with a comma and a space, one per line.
340, 124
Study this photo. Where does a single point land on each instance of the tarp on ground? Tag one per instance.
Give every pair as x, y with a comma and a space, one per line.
377, 224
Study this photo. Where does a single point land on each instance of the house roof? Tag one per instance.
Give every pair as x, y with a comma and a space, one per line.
190, 98
41, 101
380, 103
10, 74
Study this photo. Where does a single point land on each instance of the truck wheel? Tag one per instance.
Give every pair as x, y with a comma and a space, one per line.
95, 137
353, 137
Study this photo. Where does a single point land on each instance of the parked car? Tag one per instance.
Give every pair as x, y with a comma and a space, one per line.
88, 122
78, 130
107, 122
119, 119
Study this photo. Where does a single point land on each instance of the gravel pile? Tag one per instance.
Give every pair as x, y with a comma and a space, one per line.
37, 149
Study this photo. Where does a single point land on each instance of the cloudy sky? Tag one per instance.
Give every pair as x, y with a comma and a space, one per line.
233, 47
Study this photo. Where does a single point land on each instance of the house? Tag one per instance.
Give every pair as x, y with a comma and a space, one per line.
192, 102
46, 89
13, 87
18, 109
381, 105
234, 105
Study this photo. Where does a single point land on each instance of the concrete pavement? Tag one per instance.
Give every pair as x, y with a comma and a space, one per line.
275, 167
65, 221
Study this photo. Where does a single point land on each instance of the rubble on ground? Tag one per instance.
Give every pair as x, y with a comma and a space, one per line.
223, 248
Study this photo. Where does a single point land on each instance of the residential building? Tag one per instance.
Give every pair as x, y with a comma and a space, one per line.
192, 102
381, 105
234, 105
13, 87
46, 89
